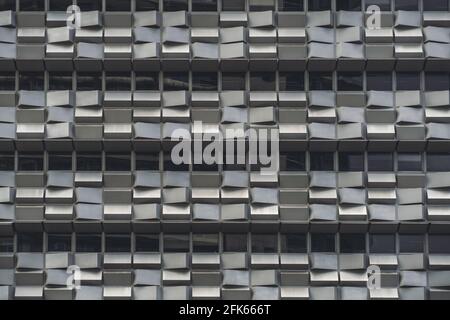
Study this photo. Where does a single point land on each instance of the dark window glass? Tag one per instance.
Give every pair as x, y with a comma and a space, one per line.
204, 81
438, 161
258, 5
118, 81
6, 244
205, 242
349, 161
234, 242
147, 161
323, 242
89, 81
117, 243
410, 5
385, 5
239, 161
175, 5
350, 81
262, 81
7, 81
409, 162
233, 81
380, 161
320, 81
118, 162
348, 5
321, 161
408, 80
319, 5
170, 166
59, 5
175, 81
31, 81
293, 243
6, 5
32, 5
290, 5
89, 243
60, 81
435, 5
439, 243
176, 243
89, 5
204, 5
89, 162
147, 243
411, 242
292, 161
352, 242
59, 242
264, 243
147, 80
382, 243
31, 162
436, 81
30, 242
147, 5
379, 81
61, 161
233, 5
291, 81
7, 162
118, 5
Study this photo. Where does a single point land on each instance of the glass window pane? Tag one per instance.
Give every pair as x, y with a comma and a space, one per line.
410, 5
293, 243
292, 161
436, 81
438, 161
321, 161
380, 162
88, 243
409, 162
7, 162
291, 81
382, 243
118, 5
205, 243
379, 81
348, 5
118, 243
319, 5
60, 81
290, 5
89, 5
147, 80
31, 81
59, 5
408, 80
233, 5
233, 81
204, 81
118, 162
118, 81
204, 5
30, 162
435, 5
261, 5
264, 243
175, 81
147, 161
234, 242
352, 242
262, 81
439, 243
89, 81
320, 81
59, 242
411, 243
147, 5
32, 5
385, 5
89, 162
176, 243
350, 81
147, 243
6, 244
7, 81
30, 242
59, 161
349, 161
170, 166
175, 5
323, 242
6, 5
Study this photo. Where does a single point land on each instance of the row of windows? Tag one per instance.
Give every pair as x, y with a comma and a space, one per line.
231, 5
289, 161
231, 242
209, 81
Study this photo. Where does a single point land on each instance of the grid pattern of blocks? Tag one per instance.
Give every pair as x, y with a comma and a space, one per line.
86, 116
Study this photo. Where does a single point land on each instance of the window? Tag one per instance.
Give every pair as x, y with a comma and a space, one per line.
411, 243
323, 242
118, 162
234, 242
118, 81
59, 5
7, 162
349, 161
117, 243
170, 166
60, 161
204, 81
438, 161
350, 81
147, 161
439, 243
385, 5
293, 243
89, 243
30, 162
321, 161
118, 5
320, 81
290, 5
408, 80
233, 5
435, 5
147, 5
319, 5
32, 5
174, 81
380, 162
409, 162
352, 242
233, 81
176, 243
205, 243
59, 242
31, 81
30, 242
7, 81
60, 81
261, 5
262, 81
6, 244
89, 162
379, 81
147, 80
348, 5
436, 81
204, 5
89, 5
89, 81
292, 161
409, 5
147, 243
175, 5
291, 81
382, 243
264, 243
6, 5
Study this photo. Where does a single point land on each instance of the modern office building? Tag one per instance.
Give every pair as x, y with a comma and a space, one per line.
92, 205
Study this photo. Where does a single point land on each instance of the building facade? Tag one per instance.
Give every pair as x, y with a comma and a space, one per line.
92, 205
